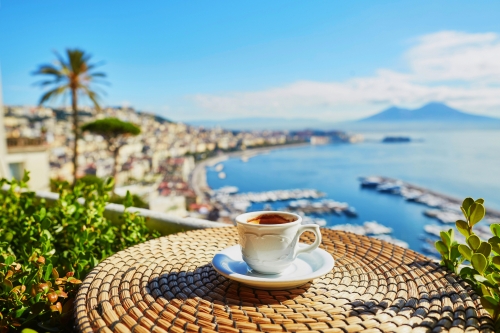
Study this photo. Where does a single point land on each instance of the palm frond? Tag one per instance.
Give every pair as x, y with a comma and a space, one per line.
93, 96
48, 70
44, 83
71, 72
52, 94
62, 62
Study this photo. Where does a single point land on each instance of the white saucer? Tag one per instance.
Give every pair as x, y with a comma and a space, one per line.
306, 267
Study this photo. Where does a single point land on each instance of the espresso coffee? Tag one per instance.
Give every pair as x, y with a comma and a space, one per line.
269, 240
270, 219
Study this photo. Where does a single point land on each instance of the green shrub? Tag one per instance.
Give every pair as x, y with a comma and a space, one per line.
56, 185
482, 271
47, 249
136, 201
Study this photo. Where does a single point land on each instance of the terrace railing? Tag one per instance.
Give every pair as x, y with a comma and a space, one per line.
164, 223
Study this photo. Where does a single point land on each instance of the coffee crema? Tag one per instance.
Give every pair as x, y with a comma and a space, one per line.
270, 219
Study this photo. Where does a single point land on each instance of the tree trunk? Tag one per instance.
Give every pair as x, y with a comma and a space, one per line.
75, 132
115, 165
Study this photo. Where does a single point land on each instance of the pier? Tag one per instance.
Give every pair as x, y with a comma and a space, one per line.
446, 207
326, 206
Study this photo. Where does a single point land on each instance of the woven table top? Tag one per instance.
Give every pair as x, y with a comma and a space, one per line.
169, 285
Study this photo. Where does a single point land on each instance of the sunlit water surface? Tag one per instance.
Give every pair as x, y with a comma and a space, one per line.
465, 163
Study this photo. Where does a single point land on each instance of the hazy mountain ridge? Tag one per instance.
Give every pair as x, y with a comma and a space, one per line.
436, 116
432, 112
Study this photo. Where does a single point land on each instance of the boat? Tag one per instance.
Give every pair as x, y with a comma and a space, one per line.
267, 207
396, 139
443, 216
222, 175
228, 189
219, 167
371, 182
393, 188
351, 212
410, 194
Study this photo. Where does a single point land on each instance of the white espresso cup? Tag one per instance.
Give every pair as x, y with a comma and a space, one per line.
271, 248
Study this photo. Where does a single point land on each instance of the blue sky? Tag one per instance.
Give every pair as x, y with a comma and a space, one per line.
225, 59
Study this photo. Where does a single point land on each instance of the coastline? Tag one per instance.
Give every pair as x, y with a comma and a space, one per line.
198, 179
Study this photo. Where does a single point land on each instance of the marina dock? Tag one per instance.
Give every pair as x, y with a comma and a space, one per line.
447, 205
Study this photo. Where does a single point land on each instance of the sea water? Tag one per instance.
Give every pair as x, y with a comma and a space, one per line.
457, 163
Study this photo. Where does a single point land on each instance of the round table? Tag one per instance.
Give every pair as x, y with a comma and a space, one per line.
168, 285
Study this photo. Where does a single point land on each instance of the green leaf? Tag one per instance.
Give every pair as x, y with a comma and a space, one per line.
9, 260
48, 271
26, 176
495, 229
474, 242
489, 304
496, 261
465, 271
28, 330
466, 204
480, 200
441, 247
8, 237
451, 233
479, 262
463, 228
494, 278
465, 251
480, 278
454, 253
109, 183
466, 214
484, 288
42, 213
495, 244
446, 238
19, 312
484, 248
129, 200
476, 213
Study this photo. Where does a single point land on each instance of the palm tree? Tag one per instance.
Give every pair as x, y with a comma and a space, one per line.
73, 75
114, 131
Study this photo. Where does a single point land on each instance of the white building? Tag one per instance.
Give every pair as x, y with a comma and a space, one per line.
22, 154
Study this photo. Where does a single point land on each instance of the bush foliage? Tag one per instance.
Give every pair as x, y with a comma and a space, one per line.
46, 249
482, 258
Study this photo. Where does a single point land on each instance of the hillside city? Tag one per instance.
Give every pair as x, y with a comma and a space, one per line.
155, 165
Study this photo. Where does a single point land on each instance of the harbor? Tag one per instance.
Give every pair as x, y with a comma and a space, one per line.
443, 207
336, 200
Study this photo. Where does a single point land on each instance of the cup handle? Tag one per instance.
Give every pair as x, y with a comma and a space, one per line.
314, 229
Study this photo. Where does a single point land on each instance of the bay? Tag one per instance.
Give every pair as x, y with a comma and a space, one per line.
458, 163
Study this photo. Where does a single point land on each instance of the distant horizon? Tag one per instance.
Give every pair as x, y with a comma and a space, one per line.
199, 122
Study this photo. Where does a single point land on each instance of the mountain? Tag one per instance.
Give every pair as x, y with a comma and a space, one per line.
262, 123
432, 112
